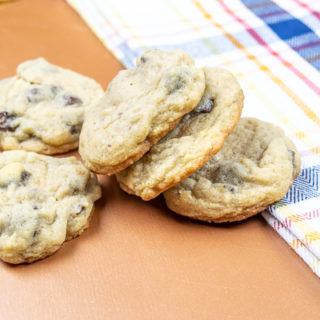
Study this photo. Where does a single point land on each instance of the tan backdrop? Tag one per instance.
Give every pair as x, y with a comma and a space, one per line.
138, 260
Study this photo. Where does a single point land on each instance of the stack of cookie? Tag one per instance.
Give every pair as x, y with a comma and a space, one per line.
169, 127
44, 200
162, 127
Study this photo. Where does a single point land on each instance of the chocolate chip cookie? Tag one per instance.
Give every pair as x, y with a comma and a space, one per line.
192, 142
42, 107
140, 106
255, 168
44, 201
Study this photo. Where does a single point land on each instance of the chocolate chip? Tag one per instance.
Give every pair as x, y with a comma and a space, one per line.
78, 209
175, 83
35, 233
293, 159
229, 188
35, 207
74, 190
292, 156
55, 89
34, 95
228, 175
71, 100
6, 119
34, 91
25, 175
75, 129
143, 59
18, 181
204, 106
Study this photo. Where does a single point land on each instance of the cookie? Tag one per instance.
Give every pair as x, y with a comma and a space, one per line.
192, 142
44, 201
140, 106
42, 107
255, 168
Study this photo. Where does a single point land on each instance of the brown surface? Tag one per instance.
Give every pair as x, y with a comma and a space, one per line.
138, 260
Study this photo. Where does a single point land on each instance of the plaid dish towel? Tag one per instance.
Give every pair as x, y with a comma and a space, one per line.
273, 48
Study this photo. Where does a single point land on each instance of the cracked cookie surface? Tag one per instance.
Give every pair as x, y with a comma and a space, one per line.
42, 107
44, 201
139, 107
255, 168
198, 136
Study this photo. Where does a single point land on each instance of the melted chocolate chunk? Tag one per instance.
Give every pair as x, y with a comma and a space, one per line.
55, 89
6, 119
227, 175
34, 95
229, 188
35, 233
292, 156
74, 190
175, 83
204, 106
79, 208
71, 100
293, 160
75, 129
25, 175
34, 91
